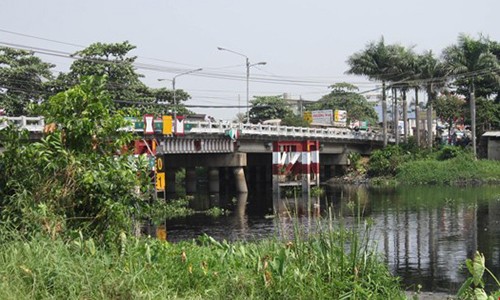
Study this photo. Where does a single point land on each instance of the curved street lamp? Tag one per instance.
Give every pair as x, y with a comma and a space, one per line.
248, 65
173, 88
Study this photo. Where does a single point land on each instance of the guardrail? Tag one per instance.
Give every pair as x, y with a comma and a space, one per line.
37, 124
284, 131
34, 124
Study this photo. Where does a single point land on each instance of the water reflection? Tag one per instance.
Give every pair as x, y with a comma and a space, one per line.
424, 233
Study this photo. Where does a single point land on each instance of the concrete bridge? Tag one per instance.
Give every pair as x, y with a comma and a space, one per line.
278, 157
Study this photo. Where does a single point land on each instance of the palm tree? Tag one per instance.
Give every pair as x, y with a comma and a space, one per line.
403, 61
471, 60
432, 76
375, 62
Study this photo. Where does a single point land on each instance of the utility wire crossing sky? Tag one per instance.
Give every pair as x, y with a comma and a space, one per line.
305, 44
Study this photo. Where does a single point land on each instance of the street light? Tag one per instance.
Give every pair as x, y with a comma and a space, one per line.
248, 65
173, 88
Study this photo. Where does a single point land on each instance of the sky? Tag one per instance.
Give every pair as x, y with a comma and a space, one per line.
305, 44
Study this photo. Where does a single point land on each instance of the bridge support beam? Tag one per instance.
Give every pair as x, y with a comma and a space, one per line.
170, 182
190, 181
213, 181
239, 178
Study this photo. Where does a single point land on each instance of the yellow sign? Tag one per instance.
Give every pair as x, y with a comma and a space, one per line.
308, 117
159, 164
167, 125
160, 181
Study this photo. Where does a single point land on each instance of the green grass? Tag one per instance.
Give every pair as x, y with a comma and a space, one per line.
335, 263
458, 170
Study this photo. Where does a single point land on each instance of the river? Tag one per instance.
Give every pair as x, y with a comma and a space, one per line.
424, 233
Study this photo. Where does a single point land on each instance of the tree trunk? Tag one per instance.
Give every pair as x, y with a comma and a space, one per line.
472, 91
417, 117
429, 116
395, 113
405, 117
384, 114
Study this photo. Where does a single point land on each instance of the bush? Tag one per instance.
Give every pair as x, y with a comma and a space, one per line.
385, 162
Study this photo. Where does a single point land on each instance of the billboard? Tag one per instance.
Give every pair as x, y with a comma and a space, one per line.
322, 117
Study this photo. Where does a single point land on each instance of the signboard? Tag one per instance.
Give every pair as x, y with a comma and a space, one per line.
322, 117
340, 116
167, 125
160, 181
148, 124
308, 117
160, 173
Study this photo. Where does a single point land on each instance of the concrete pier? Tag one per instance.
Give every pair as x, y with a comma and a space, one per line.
239, 178
191, 181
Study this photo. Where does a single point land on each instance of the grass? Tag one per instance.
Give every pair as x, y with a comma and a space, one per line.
458, 170
334, 263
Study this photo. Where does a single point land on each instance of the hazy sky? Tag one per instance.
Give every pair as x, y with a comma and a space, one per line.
305, 43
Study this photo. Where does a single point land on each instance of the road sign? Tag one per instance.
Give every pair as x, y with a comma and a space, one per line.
160, 181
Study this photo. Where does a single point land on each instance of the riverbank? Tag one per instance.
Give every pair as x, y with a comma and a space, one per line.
313, 268
460, 170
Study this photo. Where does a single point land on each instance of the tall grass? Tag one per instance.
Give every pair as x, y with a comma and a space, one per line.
452, 171
334, 263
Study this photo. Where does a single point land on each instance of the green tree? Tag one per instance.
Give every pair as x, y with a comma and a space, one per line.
73, 179
269, 107
449, 107
22, 77
431, 77
470, 60
344, 96
375, 62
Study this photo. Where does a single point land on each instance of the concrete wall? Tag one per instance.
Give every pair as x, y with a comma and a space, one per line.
494, 149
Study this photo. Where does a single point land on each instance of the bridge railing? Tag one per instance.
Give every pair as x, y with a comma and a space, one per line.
34, 124
285, 131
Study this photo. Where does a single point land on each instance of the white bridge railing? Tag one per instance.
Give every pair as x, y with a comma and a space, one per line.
282, 131
36, 124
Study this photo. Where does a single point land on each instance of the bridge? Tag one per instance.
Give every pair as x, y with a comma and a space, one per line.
282, 155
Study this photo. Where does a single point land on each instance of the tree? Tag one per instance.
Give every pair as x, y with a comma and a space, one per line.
269, 107
449, 107
375, 63
344, 96
111, 60
432, 75
471, 60
73, 180
22, 77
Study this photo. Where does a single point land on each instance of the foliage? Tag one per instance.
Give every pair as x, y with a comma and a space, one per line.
459, 170
385, 162
293, 120
344, 96
449, 108
72, 179
22, 77
335, 263
488, 115
215, 212
269, 107
448, 152
473, 287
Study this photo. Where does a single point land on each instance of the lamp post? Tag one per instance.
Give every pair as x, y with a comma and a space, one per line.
173, 88
248, 65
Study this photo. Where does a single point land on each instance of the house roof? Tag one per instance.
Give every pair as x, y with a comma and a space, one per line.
492, 134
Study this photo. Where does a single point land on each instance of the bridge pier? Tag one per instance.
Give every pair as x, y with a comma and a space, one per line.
213, 180
241, 183
295, 165
170, 183
190, 181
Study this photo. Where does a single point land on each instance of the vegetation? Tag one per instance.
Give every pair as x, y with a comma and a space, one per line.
449, 165
79, 176
344, 96
474, 287
300, 267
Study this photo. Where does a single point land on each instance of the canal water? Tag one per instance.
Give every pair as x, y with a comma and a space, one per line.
425, 234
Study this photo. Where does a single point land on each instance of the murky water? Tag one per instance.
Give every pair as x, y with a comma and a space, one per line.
424, 233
